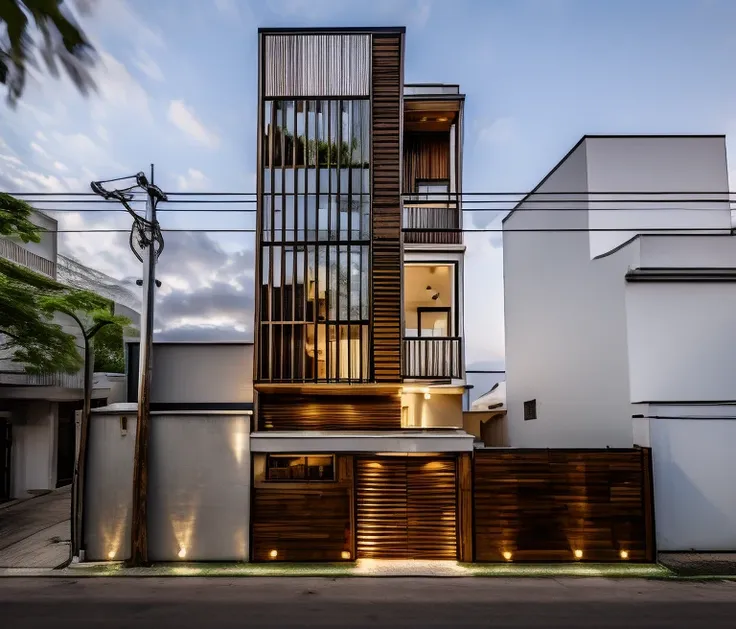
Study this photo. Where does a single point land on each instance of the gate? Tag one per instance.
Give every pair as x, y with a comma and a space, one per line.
406, 508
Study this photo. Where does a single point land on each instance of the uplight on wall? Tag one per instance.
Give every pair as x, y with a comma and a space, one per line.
111, 554
182, 552
273, 554
578, 554
427, 396
345, 554
624, 554
507, 555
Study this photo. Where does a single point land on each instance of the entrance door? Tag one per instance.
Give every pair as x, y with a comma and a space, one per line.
406, 508
5, 442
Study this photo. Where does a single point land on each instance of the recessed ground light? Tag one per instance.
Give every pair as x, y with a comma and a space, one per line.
624, 554
273, 554
507, 555
111, 554
578, 554
182, 552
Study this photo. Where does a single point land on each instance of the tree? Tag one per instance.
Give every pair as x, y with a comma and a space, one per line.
29, 301
62, 43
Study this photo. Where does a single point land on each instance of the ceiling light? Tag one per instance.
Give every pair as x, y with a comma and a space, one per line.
442, 119
427, 396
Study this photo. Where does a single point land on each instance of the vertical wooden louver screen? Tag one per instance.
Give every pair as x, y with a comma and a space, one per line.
406, 508
386, 206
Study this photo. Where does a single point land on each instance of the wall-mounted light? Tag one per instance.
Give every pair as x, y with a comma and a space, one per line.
123, 426
507, 555
624, 554
273, 554
427, 396
442, 119
435, 297
578, 554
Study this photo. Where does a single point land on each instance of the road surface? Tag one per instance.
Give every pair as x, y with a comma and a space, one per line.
281, 602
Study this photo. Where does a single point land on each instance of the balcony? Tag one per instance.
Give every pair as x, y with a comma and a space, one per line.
58, 380
422, 218
432, 358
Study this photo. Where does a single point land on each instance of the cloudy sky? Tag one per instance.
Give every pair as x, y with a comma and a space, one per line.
177, 87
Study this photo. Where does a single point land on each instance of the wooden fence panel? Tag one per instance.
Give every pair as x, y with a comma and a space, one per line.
563, 505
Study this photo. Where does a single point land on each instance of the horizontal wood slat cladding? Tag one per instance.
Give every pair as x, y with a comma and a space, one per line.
406, 508
386, 250
542, 505
329, 412
304, 521
426, 156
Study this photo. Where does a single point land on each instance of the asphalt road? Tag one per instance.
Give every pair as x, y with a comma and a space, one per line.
282, 602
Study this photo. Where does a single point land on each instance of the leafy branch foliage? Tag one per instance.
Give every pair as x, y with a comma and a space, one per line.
29, 301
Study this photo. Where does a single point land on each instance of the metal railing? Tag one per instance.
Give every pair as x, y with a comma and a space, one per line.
436, 358
61, 380
15, 253
423, 215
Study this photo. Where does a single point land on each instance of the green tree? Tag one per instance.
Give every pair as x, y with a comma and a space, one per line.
49, 28
29, 301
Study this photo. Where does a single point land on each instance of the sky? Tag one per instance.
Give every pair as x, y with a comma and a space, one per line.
177, 88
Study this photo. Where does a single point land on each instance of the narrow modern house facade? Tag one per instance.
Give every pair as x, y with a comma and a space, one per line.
358, 447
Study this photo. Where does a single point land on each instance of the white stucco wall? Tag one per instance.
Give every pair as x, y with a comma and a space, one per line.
693, 168
199, 486
33, 451
565, 323
440, 411
694, 493
682, 341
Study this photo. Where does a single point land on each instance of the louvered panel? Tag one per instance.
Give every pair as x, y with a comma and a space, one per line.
386, 206
381, 515
301, 524
329, 412
432, 507
541, 505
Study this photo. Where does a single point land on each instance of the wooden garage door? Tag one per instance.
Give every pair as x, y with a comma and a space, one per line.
406, 508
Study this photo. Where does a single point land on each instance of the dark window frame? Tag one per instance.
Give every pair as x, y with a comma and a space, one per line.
306, 468
530, 410
429, 309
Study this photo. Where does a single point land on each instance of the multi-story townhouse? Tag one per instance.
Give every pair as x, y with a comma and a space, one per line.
359, 368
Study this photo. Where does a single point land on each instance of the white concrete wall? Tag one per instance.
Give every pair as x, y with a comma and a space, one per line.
33, 450
689, 166
694, 492
682, 341
199, 487
565, 323
440, 411
202, 372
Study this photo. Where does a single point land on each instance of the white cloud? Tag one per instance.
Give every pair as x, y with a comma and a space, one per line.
59, 166
146, 64
40, 150
184, 118
194, 180
40, 136
118, 91
501, 131
102, 133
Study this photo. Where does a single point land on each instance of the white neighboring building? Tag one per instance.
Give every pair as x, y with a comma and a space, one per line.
37, 412
603, 326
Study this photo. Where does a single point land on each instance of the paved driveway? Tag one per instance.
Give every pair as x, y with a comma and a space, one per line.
36, 533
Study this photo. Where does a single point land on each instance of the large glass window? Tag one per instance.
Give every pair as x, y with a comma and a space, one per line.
315, 241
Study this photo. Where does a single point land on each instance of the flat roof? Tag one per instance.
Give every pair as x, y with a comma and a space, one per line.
327, 30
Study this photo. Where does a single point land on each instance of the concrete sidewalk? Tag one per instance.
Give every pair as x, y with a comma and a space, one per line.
700, 564
35, 533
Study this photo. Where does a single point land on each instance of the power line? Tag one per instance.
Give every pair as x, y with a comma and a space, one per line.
498, 230
409, 194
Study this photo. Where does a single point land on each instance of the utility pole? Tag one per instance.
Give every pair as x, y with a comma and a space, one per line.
139, 529
151, 241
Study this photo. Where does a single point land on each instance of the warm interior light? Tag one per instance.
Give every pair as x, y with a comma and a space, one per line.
423, 119
345, 554
442, 119
273, 554
182, 552
427, 396
624, 554
578, 554
507, 555
111, 554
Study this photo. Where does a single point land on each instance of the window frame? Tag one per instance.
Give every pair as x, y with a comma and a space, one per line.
430, 309
280, 455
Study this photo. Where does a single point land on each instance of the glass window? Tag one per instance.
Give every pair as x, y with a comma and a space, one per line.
289, 467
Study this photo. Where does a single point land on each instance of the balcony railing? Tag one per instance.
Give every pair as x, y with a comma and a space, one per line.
15, 253
23, 379
431, 222
436, 358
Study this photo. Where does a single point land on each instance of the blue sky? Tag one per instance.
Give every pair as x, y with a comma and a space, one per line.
177, 87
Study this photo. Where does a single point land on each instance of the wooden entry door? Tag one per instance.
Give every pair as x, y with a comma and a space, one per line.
406, 508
